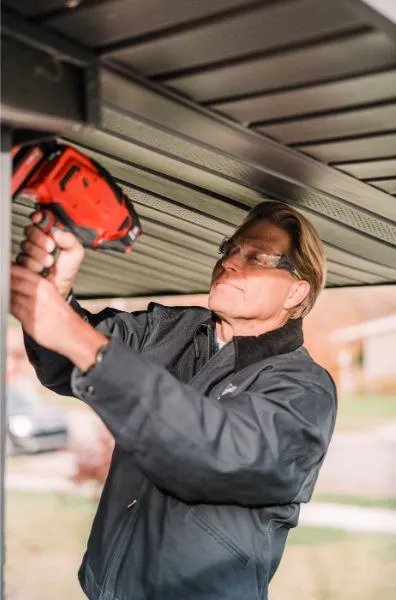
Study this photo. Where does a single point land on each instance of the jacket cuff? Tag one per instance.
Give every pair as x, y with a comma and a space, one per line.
86, 384
113, 388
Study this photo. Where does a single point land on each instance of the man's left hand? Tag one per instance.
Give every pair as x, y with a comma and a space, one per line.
49, 320
37, 304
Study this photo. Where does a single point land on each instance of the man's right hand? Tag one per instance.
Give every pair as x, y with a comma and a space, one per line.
36, 254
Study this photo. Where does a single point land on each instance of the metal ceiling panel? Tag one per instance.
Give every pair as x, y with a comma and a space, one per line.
358, 263
343, 56
334, 124
370, 168
99, 25
311, 99
360, 275
236, 36
365, 246
338, 280
363, 148
388, 185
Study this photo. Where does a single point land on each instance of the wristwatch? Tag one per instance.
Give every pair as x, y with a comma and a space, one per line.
98, 357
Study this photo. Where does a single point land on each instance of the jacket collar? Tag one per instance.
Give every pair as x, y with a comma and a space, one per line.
251, 349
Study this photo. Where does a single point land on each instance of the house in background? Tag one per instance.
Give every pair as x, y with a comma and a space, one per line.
367, 356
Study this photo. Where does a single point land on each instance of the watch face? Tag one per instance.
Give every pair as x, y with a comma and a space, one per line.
101, 352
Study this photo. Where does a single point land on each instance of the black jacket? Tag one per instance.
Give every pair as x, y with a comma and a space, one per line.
214, 452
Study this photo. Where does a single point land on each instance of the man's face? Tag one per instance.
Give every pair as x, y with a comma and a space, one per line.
249, 291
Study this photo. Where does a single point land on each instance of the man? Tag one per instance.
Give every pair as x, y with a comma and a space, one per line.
221, 419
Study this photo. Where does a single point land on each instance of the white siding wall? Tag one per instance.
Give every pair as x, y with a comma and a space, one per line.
380, 356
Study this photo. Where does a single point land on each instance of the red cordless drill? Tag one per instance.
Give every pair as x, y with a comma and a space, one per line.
75, 193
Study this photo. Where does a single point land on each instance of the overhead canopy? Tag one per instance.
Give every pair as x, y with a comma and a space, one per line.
209, 107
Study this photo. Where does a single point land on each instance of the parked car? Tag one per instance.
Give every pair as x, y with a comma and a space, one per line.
32, 424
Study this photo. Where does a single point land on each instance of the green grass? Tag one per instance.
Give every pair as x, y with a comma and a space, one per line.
355, 500
45, 538
311, 536
364, 411
329, 564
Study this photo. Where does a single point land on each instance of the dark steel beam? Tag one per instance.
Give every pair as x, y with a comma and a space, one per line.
48, 83
26, 137
44, 40
5, 225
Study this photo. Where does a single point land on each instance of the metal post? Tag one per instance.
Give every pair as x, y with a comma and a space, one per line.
5, 241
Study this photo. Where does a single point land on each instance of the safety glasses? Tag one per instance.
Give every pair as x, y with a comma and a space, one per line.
254, 256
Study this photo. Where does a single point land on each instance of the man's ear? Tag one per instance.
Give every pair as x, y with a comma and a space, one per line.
298, 292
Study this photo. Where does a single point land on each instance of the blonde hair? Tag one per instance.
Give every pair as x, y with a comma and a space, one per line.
306, 252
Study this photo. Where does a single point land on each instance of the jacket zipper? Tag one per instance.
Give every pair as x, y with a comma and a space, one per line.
112, 553
118, 548
207, 367
210, 361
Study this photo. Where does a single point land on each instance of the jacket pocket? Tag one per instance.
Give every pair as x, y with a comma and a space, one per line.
220, 537
198, 558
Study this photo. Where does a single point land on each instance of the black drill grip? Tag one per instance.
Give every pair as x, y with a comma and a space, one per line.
46, 225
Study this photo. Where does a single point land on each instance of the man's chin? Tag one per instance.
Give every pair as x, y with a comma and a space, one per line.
221, 305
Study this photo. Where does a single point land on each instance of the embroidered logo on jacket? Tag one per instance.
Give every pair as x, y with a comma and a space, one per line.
229, 388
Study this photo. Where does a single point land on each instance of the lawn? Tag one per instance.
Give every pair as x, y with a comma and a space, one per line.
329, 564
367, 501
46, 536
365, 411
45, 539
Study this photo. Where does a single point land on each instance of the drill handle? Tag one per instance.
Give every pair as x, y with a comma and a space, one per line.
47, 224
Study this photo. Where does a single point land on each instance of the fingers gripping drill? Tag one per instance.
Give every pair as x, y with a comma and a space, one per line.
47, 224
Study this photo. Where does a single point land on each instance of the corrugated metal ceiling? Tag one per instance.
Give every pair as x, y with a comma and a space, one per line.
209, 106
